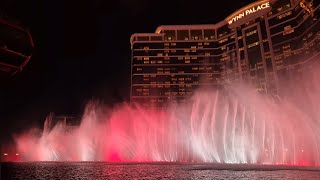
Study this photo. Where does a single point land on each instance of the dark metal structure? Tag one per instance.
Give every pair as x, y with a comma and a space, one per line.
16, 46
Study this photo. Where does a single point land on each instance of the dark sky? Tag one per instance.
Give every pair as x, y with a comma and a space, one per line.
82, 51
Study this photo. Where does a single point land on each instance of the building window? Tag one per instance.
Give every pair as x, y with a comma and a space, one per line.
170, 35
284, 15
223, 31
279, 6
209, 34
183, 34
223, 40
251, 33
143, 38
253, 45
288, 30
196, 34
156, 38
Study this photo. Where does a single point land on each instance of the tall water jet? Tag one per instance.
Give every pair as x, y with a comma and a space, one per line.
235, 124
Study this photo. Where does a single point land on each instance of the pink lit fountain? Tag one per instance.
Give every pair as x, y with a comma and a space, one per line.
235, 125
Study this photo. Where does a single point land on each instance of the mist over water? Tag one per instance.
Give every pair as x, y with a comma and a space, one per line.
235, 124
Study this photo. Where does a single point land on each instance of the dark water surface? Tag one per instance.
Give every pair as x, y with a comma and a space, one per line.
96, 170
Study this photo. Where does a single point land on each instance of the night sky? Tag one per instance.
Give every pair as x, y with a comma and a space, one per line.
82, 52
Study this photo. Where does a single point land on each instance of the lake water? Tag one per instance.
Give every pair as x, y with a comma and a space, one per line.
97, 170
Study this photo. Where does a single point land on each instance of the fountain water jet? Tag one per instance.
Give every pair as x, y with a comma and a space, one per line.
234, 125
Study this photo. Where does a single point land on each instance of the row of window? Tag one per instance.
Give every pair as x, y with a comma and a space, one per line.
184, 69
173, 80
285, 16
183, 54
158, 101
183, 44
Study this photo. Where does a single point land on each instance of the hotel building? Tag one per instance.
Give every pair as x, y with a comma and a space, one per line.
261, 43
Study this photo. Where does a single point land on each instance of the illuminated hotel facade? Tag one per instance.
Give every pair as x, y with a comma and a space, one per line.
260, 44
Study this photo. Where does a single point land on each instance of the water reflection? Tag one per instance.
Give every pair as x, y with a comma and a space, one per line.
94, 170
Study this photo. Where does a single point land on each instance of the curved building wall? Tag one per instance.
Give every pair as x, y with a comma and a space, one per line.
263, 42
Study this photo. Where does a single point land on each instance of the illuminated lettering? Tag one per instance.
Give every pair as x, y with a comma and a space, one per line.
248, 12
265, 5
259, 8
236, 18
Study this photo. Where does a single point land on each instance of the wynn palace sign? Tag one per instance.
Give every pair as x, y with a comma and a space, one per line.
243, 13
